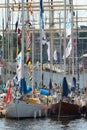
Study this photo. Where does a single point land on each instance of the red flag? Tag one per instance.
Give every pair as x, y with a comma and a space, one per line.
8, 97
19, 36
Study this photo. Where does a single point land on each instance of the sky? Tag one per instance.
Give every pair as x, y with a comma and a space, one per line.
2, 13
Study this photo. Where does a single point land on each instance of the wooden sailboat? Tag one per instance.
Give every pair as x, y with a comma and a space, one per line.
66, 107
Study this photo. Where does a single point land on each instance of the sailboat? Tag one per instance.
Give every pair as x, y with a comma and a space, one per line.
67, 106
23, 107
19, 104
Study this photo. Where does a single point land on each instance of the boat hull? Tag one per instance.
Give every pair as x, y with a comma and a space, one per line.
64, 110
22, 109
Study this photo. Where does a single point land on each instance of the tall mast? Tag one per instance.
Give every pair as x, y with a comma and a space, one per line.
65, 37
22, 51
77, 49
71, 7
51, 35
3, 80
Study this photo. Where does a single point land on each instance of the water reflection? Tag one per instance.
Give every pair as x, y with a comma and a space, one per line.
43, 124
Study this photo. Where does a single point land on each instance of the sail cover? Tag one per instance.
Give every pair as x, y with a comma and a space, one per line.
65, 89
24, 89
73, 87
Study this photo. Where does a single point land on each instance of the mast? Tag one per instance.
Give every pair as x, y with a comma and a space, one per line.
3, 80
51, 35
71, 9
77, 49
22, 51
65, 37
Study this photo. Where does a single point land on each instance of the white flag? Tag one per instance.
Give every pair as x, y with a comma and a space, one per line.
19, 66
19, 75
44, 40
48, 50
19, 61
68, 49
68, 25
55, 55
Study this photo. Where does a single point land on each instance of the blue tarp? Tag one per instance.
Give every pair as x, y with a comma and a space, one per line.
45, 92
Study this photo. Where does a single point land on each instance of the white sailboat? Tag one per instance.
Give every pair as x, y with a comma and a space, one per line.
24, 107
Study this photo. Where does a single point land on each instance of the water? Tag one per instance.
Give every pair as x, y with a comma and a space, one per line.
43, 124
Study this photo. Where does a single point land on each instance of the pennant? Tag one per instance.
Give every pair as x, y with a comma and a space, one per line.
68, 25
29, 38
30, 69
31, 11
30, 78
68, 49
28, 61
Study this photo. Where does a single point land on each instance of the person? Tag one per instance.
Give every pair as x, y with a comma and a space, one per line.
54, 93
83, 104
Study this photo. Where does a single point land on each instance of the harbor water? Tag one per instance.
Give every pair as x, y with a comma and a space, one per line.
43, 124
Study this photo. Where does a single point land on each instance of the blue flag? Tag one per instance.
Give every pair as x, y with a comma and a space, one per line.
42, 14
41, 6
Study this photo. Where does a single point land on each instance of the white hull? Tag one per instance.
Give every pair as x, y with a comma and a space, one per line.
21, 109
